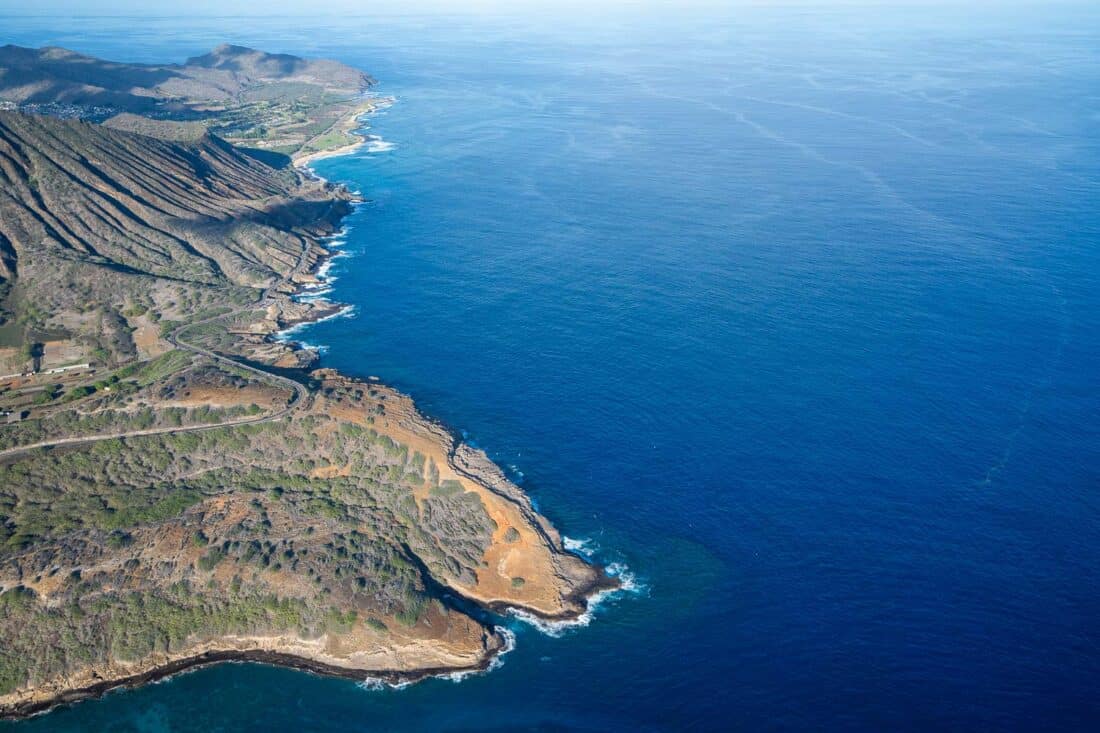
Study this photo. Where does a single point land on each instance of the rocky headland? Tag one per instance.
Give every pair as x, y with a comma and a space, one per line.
179, 488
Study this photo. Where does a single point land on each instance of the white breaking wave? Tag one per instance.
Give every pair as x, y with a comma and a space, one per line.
381, 103
314, 294
374, 684
628, 583
324, 272
375, 144
495, 663
584, 547
283, 336
319, 348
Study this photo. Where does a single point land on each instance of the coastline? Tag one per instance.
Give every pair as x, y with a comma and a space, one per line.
349, 125
474, 463
583, 584
192, 662
466, 460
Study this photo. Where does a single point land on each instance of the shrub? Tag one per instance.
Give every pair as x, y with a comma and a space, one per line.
210, 560
450, 487
118, 539
77, 393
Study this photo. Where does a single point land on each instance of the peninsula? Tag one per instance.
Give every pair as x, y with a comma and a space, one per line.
178, 487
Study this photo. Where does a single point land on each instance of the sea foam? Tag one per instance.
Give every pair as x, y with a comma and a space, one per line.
375, 684
348, 311
628, 583
375, 144
584, 547
495, 663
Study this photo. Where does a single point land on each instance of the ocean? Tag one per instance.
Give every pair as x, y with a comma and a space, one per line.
790, 312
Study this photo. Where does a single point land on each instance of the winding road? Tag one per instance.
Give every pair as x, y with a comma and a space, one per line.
300, 396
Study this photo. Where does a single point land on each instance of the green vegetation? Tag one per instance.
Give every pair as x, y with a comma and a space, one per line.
361, 539
450, 487
135, 513
99, 623
77, 393
124, 547
47, 395
118, 539
107, 406
145, 373
210, 560
11, 334
71, 424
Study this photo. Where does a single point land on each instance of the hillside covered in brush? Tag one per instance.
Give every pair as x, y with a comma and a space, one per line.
177, 487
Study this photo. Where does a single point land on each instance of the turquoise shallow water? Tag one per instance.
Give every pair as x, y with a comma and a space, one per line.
793, 313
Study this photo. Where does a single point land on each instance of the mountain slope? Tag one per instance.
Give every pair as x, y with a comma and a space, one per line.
259, 66
196, 211
95, 221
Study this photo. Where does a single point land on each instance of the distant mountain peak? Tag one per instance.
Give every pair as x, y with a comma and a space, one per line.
227, 51
229, 48
255, 64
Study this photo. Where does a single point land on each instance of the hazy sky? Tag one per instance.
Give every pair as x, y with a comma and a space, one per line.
375, 7
911, 15
304, 7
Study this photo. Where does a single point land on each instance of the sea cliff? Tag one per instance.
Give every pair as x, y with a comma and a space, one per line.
192, 492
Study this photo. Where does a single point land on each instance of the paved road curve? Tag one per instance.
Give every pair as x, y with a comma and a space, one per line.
301, 393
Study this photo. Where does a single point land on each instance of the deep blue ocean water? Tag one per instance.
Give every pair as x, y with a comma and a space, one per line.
794, 312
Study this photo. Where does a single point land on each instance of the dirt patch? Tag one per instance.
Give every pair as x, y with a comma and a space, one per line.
61, 353
200, 395
147, 339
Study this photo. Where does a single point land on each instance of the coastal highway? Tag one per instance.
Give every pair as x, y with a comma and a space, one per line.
300, 392
300, 397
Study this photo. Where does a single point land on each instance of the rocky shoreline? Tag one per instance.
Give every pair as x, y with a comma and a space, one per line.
467, 461
463, 458
568, 582
278, 659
